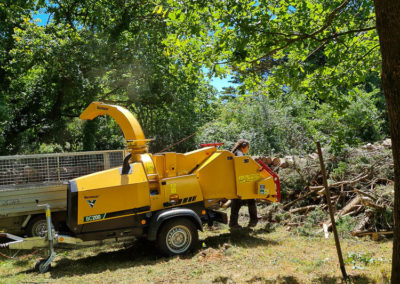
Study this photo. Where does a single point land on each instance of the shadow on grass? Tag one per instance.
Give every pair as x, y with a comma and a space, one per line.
354, 279
242, 238
289, 279
141, 253
257, 279
286, 279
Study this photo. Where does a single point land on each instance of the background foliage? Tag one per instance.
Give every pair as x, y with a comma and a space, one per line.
305, 70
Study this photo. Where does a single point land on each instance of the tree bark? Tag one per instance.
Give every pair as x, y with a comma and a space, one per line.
388, 26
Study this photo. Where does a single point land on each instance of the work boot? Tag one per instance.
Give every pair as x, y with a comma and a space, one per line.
235, 227
252, 223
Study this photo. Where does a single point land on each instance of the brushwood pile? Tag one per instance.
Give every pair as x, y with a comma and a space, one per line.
361, 183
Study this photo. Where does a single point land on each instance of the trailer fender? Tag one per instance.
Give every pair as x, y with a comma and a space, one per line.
159, 218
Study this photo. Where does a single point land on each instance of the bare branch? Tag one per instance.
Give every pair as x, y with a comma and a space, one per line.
348, 32
314, 51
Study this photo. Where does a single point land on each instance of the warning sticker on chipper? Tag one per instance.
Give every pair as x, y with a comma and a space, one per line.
94, 217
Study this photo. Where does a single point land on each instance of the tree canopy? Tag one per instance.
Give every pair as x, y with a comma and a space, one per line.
305, 70
110, 51
306, 65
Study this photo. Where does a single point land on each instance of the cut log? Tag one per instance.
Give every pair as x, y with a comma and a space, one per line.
276, 161
289, 159
284, 164
350, 206
263, 159
268, 161
227, 204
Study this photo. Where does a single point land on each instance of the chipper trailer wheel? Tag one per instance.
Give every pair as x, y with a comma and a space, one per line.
37, 227
177, 236
41, 266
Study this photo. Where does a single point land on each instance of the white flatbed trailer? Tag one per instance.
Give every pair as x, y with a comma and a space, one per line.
29, 180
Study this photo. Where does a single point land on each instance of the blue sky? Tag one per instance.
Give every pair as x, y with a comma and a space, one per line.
221, 83
43, 18
218, 83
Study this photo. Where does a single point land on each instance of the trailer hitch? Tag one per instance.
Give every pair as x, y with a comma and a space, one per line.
15, 239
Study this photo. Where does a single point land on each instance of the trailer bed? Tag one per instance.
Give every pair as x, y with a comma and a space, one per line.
29, 180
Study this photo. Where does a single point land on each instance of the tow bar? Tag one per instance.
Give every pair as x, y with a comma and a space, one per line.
42, 265
51, 240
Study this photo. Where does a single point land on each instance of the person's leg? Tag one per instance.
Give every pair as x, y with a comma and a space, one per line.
251, 203
235, 207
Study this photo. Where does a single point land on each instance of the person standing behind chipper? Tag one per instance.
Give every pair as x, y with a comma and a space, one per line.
240, 149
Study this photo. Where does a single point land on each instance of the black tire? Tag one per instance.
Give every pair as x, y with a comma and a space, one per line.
37, 227
177, 236
40, 267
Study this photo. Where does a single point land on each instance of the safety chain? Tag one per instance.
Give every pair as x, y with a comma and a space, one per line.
20, 258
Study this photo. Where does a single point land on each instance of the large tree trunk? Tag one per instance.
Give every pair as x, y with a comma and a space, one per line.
388, 25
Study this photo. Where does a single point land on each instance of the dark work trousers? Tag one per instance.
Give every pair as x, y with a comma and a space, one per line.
235, 207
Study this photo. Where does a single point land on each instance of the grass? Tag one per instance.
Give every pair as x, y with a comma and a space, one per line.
247, 256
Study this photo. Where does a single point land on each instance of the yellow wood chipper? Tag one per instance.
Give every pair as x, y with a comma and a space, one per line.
165, 197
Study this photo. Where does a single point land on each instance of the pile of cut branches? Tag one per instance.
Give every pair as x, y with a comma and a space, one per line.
361, 187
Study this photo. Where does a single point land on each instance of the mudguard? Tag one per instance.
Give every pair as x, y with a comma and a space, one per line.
162, 216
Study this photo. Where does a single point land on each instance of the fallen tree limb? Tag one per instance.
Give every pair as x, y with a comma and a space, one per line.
365, 194
302, 209
360, 226
293, 224
350, 206
366, 233
355, 210
366, 201
288, 205
337, 184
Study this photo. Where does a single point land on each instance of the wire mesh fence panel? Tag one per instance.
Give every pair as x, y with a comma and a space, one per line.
115, 158
24, 169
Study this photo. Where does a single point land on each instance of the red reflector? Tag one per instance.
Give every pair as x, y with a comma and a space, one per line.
174, 198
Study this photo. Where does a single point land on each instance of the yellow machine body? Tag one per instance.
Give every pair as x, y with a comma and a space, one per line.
112, 192
153, 183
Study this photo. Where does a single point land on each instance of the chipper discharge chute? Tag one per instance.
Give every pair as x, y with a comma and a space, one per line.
165, 197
